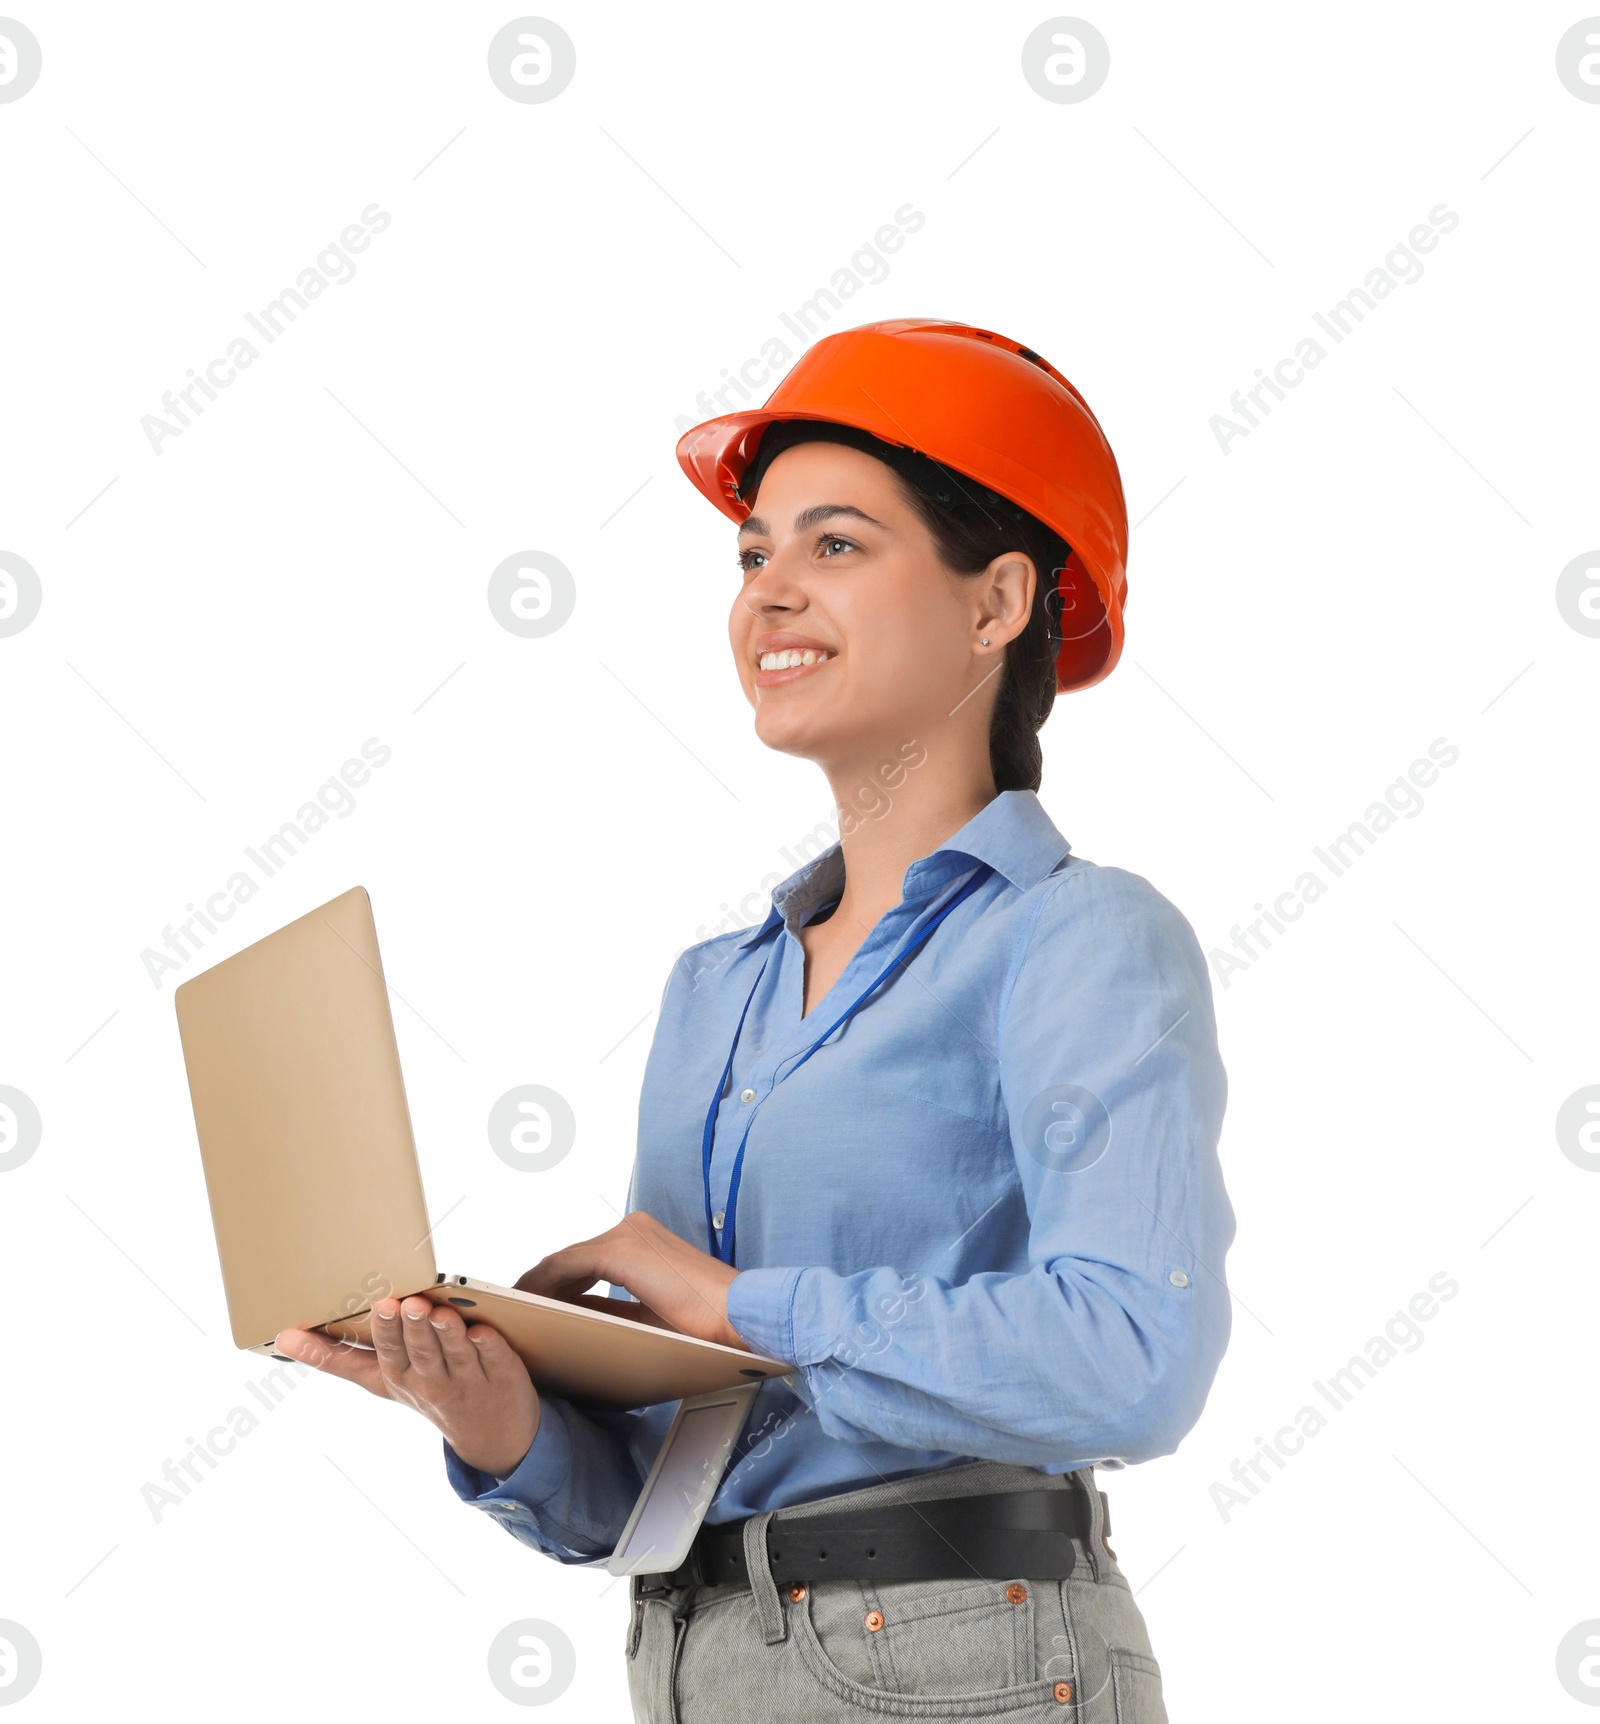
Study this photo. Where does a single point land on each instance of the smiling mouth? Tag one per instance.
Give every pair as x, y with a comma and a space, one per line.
789, 665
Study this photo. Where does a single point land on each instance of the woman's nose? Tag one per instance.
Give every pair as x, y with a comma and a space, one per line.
773, 587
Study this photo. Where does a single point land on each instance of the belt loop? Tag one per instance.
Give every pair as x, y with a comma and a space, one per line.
635, 1614
1097, 1517
769, 1611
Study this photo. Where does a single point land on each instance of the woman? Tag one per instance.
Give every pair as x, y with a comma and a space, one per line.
959, 1162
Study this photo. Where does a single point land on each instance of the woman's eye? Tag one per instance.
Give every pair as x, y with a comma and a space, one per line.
824, 544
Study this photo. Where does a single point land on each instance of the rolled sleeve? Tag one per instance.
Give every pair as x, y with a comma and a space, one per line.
761, 1307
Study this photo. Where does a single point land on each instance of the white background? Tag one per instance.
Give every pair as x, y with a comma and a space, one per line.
1372, 568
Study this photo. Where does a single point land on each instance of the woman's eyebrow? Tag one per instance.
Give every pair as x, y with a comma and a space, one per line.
810, 517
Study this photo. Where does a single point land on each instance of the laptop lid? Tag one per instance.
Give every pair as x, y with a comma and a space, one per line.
305, 1136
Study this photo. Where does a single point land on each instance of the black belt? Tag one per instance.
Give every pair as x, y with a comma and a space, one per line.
1004, 1534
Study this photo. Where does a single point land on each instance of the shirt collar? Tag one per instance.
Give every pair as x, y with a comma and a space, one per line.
1012, 833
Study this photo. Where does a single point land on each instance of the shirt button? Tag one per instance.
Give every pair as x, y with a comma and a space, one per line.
747, 1095
1178, 1278
716, 1220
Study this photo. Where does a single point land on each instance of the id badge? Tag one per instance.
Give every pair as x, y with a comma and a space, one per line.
682, 1481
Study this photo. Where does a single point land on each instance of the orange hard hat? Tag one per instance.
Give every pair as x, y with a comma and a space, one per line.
984, 406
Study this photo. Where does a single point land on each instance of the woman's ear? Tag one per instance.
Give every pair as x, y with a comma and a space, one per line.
1005, 597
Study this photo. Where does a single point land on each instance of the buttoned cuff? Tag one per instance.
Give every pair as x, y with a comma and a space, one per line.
538, 1475
761, 1309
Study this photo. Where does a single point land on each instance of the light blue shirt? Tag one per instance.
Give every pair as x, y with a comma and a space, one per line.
985, 1220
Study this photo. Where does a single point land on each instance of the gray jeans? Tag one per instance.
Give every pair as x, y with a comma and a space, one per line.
1072, 1651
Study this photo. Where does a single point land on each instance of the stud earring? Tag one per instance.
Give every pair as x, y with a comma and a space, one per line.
983, 640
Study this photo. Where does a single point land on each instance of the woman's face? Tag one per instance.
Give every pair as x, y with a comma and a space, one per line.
837, 564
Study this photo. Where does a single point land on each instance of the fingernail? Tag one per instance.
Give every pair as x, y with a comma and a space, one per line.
386, 1316
415, 1316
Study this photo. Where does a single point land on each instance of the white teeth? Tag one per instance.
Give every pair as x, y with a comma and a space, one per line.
790, 657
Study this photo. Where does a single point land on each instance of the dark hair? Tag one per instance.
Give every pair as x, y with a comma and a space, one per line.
970, 526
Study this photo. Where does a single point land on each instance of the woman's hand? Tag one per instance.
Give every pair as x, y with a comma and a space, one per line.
686, 1287
464, 1379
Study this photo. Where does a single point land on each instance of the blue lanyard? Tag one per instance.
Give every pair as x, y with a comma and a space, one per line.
723, 1249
